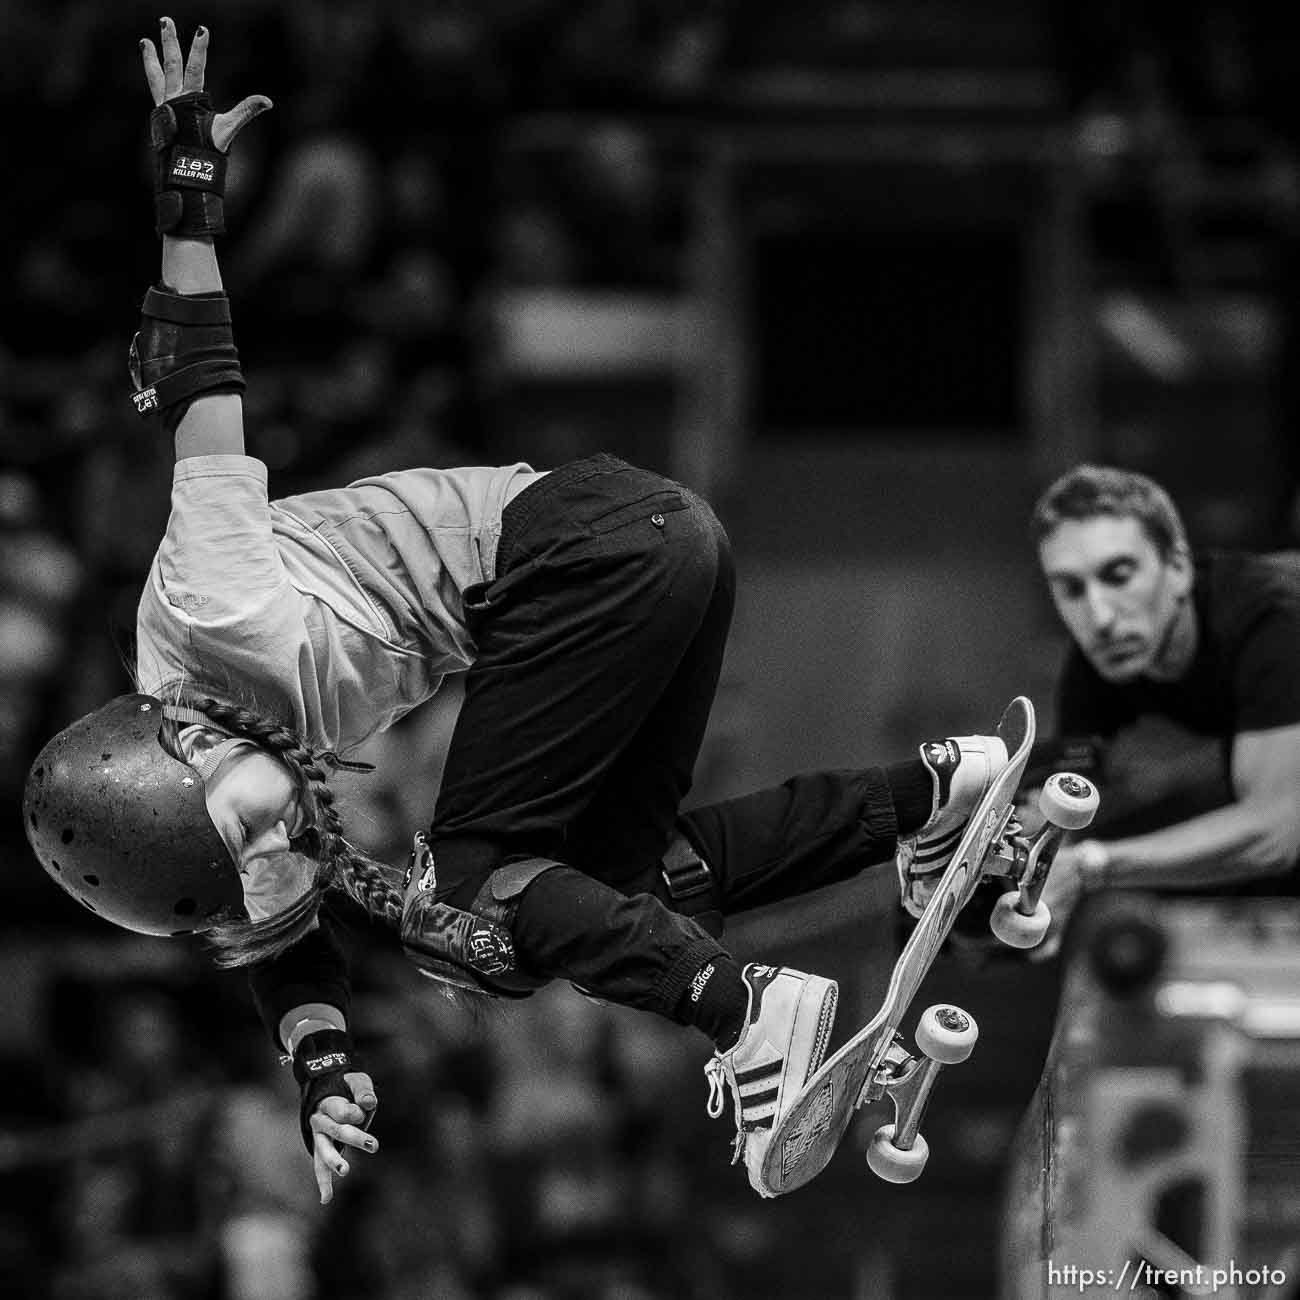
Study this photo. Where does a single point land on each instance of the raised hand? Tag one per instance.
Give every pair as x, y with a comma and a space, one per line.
190, 140
169, 77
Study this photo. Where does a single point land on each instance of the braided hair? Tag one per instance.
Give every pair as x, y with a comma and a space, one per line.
340, 865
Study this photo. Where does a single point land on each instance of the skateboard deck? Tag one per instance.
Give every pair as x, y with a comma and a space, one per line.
809, 1133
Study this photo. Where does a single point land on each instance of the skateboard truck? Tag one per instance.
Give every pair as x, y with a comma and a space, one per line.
945, 1035
1068, 802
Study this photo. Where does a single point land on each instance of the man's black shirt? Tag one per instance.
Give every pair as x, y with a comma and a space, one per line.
1245, 675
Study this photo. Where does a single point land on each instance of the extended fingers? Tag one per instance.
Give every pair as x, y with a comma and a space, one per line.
171, 57
197, 62
167, 75
328, 1162
153, 73
342, 1122
334, 1124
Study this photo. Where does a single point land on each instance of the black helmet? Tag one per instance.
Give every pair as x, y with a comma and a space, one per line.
123, 826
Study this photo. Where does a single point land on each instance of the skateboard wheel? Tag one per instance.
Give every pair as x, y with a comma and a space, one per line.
1068, 801
1013, 927
946, 1034
894, 1164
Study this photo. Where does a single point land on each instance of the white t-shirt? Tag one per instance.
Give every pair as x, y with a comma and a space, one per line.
340, 609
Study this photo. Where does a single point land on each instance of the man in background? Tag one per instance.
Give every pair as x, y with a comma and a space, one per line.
1176, 658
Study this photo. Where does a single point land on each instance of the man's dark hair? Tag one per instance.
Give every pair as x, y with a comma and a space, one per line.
1089, 491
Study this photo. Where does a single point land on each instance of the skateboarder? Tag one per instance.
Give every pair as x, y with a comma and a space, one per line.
588, 607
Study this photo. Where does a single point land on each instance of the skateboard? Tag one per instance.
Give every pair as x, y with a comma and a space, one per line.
875, 1062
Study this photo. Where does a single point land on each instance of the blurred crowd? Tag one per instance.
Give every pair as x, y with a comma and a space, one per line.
151, 1152
148, 1147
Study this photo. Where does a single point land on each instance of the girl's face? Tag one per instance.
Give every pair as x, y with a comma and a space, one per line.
255, 805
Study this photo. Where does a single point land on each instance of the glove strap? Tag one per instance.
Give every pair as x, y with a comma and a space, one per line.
324, 1052
189, 170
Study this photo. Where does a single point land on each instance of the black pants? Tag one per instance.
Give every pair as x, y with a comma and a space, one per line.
600, 643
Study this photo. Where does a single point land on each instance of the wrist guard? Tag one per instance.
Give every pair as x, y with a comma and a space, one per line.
319, 1063
185, 346
189, 170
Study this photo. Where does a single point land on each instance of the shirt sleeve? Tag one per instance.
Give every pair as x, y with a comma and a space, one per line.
217, 596
315, 969
218, 557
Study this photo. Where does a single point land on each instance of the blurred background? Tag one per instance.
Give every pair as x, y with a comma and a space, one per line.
866, 272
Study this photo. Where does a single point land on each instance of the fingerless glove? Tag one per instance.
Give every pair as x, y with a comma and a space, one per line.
319, 1063
189, 170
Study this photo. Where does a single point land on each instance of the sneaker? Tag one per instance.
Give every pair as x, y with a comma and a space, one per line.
962, 769
787, 1030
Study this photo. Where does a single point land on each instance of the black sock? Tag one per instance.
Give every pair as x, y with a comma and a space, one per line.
716, 1001
912, 786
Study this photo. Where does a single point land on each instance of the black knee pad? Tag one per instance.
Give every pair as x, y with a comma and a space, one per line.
469, 949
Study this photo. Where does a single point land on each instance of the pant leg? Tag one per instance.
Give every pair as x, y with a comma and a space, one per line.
614, 596
631, 949
607, 575
813, 830
622, 834
612, 930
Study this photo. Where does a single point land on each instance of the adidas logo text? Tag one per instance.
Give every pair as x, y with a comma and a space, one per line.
702, 977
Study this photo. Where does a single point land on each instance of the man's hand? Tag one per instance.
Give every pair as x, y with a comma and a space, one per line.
1061, 893
338, 1122
190, 141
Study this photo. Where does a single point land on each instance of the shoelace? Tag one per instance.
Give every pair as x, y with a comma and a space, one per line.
716, 1073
